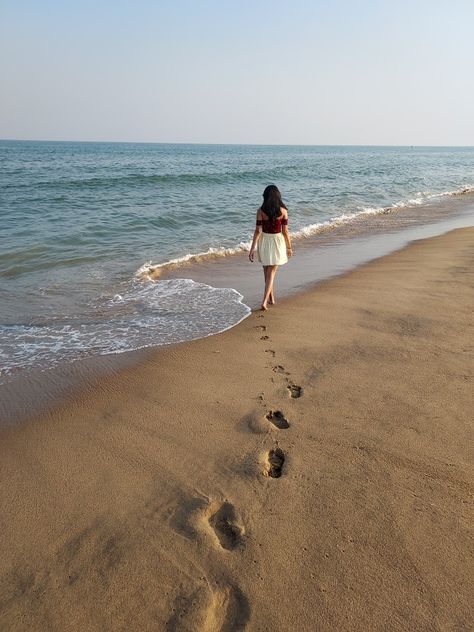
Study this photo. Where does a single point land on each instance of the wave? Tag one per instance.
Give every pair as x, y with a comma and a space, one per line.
152, 271
144, 315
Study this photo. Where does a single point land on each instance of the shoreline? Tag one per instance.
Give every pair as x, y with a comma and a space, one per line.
317, 261
318, 454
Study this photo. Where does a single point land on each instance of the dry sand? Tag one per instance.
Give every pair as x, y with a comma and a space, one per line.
154, 501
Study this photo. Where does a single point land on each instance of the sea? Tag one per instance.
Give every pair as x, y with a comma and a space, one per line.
99, 241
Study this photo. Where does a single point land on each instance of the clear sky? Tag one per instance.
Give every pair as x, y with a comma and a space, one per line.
238, 71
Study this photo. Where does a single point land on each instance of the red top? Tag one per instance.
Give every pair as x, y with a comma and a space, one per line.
272, 225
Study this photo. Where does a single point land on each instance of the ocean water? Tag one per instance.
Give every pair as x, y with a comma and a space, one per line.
89, 230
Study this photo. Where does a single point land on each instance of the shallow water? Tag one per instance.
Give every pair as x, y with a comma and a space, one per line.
85, 225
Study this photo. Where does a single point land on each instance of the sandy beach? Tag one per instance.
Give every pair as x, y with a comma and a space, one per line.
308, 470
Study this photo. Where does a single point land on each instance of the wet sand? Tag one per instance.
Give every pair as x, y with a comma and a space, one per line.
310, 469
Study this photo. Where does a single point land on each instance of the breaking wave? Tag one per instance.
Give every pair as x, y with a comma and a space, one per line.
153, 271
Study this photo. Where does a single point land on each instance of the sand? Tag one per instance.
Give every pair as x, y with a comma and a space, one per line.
310, 469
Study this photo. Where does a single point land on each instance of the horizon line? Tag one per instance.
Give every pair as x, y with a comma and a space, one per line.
145, 142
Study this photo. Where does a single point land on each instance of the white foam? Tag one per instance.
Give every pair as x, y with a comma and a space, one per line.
150, 270
347, 218
145, 315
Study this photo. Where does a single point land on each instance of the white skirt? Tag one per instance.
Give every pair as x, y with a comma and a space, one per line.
271, 249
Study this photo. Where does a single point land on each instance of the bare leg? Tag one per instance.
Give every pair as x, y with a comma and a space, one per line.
265, 274
271, 298
270, 275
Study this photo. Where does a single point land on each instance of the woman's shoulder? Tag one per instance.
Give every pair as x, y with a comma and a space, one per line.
260, 213
284, 212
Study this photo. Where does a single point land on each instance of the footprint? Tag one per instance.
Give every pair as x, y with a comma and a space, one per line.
274, 464
264, 338
229, 610
295, 391
227, 526
261, 328
280, 369
271, 352
217, 606
278, 419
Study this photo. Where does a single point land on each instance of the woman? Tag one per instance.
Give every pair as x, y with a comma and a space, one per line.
271, 239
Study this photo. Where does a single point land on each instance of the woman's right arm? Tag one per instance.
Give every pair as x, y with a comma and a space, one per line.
256, 236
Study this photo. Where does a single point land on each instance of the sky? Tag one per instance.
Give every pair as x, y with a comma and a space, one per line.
367, 72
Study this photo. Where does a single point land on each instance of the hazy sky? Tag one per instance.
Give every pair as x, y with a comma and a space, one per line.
238, 71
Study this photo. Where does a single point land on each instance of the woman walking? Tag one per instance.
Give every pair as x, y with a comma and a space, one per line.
271, 239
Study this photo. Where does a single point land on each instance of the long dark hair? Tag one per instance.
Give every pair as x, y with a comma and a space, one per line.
272, 202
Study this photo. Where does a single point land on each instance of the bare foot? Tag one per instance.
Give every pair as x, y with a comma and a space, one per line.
272, 300
264, 307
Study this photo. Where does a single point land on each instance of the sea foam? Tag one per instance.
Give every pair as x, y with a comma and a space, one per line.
161, 313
